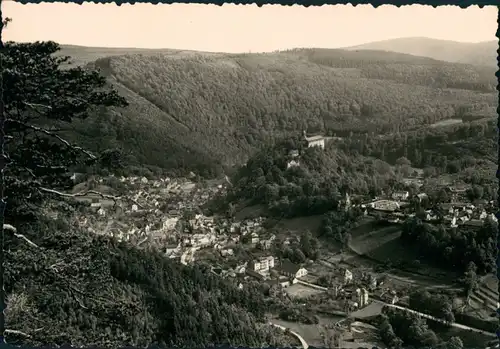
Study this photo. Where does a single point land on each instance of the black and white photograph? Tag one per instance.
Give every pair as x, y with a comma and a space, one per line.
192, 176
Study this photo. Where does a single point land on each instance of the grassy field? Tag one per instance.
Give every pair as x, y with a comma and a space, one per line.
249, 212
381, 243
491, 282
374, 308
369, 241
483, 301
301, 224
301, 291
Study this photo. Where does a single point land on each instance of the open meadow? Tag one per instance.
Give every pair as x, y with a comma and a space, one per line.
301, 291
380, 243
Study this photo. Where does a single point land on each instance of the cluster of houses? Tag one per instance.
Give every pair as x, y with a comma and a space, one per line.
358, 294
150, 211
280, 274
265, 268
456, 214
453, 214
221, 234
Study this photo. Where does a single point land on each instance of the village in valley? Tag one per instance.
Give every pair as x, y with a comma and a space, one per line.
341, 283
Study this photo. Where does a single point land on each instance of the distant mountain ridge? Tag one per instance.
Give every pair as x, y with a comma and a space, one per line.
482, 53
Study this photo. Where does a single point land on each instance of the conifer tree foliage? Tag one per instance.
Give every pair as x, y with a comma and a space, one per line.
38, 92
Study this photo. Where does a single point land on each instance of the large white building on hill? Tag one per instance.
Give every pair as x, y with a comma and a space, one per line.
315, 141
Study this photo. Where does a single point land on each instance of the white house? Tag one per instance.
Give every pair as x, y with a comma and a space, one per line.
254, 238
346, 275
292, 163
240, 269
360, 296
227, 252
267, 263
262, 264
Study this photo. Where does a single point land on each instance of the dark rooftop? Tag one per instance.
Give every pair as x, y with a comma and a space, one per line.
289, 267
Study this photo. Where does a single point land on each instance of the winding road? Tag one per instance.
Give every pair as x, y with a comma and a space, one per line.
298, 336
452, 324
318, 287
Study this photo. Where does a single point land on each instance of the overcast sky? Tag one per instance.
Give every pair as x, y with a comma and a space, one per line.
241, 28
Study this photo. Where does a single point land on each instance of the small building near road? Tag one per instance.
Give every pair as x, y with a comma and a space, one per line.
292, 270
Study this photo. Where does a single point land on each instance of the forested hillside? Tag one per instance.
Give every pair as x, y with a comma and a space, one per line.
468, 151
315, 185
200, 111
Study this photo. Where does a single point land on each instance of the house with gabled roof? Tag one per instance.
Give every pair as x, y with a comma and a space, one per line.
292, 270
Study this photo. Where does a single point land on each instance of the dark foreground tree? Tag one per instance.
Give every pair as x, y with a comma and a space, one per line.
41, 99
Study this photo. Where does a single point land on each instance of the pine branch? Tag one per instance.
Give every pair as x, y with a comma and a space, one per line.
13, 229
28, 241
17, 332
37, 105
22, 333
59, 138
